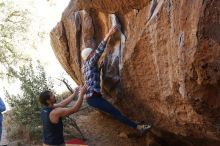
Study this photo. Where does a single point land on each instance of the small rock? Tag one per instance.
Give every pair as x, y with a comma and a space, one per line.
123, 135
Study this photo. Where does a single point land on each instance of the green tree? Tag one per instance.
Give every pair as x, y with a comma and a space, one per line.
25, 105
14, 23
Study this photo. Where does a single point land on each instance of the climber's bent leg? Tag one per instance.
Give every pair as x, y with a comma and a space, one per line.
104, 105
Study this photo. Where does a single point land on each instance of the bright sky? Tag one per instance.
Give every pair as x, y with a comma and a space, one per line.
46, 14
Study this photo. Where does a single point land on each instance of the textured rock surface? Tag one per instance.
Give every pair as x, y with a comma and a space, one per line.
163, 67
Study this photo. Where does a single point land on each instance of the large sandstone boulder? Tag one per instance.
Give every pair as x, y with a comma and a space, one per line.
162, 67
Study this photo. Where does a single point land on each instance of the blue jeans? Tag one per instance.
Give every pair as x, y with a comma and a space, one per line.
1, 119
103, 105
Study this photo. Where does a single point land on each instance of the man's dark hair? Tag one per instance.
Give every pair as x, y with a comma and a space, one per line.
44, 96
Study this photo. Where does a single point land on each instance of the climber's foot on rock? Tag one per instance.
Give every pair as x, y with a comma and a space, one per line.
144, 128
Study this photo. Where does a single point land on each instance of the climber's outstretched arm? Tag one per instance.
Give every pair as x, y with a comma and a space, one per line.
112, 31
98, 52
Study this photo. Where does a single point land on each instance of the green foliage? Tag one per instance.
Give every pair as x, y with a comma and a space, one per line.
25, 105
14, 23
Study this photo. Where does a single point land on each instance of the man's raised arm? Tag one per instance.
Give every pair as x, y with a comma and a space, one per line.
67, 100
63, 112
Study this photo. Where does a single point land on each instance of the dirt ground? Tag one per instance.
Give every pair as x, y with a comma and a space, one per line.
101, 129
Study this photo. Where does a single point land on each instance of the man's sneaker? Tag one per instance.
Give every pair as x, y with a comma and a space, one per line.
143, 128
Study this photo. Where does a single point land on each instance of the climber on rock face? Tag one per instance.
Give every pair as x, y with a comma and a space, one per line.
91, 75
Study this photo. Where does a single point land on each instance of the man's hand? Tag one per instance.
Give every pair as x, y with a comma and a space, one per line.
112, 31
63, 112
76, 91
67, 100
83, 90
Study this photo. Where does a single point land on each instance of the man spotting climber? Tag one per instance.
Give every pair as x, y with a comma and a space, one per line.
52, 114
91, 75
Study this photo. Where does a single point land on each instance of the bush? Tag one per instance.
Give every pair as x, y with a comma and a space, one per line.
26, 108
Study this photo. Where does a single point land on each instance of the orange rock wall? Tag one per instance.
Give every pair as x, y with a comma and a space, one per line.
162, 67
